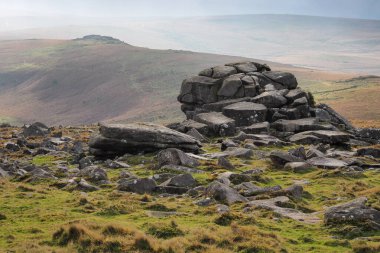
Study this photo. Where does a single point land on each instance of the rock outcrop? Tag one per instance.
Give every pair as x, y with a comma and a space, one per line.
119, 139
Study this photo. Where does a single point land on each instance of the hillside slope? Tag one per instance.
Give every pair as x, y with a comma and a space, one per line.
90, 80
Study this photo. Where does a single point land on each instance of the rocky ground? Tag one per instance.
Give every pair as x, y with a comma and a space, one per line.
266, 172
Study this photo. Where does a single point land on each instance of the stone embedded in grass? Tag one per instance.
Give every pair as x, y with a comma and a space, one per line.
173, 156
326, 163
224, 193
141, 185
354, 213
182, 180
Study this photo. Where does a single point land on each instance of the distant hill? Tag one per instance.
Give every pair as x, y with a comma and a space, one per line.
100, 78
337, 44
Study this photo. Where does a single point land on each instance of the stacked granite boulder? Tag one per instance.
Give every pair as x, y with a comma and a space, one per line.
242, 95
250, 97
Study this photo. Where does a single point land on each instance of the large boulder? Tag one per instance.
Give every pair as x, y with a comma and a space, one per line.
231, 87
118, 139
199, 90
218, 123
223, 71
36, 129
245, 113
353, 213
288, 80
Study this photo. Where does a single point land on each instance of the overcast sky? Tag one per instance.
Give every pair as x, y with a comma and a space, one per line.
367, 9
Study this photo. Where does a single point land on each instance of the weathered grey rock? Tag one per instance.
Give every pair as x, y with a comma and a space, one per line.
280, 158
288, 80
224, 163
239, 152
245, 113
228, 143
304, 139
173, 156
221, 209
298, 112
300, 125
181, 169
204, 202
199, 90
298, 152
374, 152
217, 123
353, 213
326, 163
183, 180
300, 101
119, 139
248, 81
257, 128
218, 106
12, 146
259, 139
95, 175
189, 124
83, 185
275, 206
271, 99
324, 136
197, 135
295, 94
224, 193
141, 185
230, 87
336, 117
246, 67
223, 71
36, 129
116, 164
248, 189
206, 72
313, 152
298, 167
294, 191
162, 177
369, 134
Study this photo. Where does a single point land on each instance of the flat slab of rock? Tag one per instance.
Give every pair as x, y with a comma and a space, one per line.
326, 163
217, 123
218, 106
274, 205
118, 139
256, 128
300, 125
325, 136
245, 113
